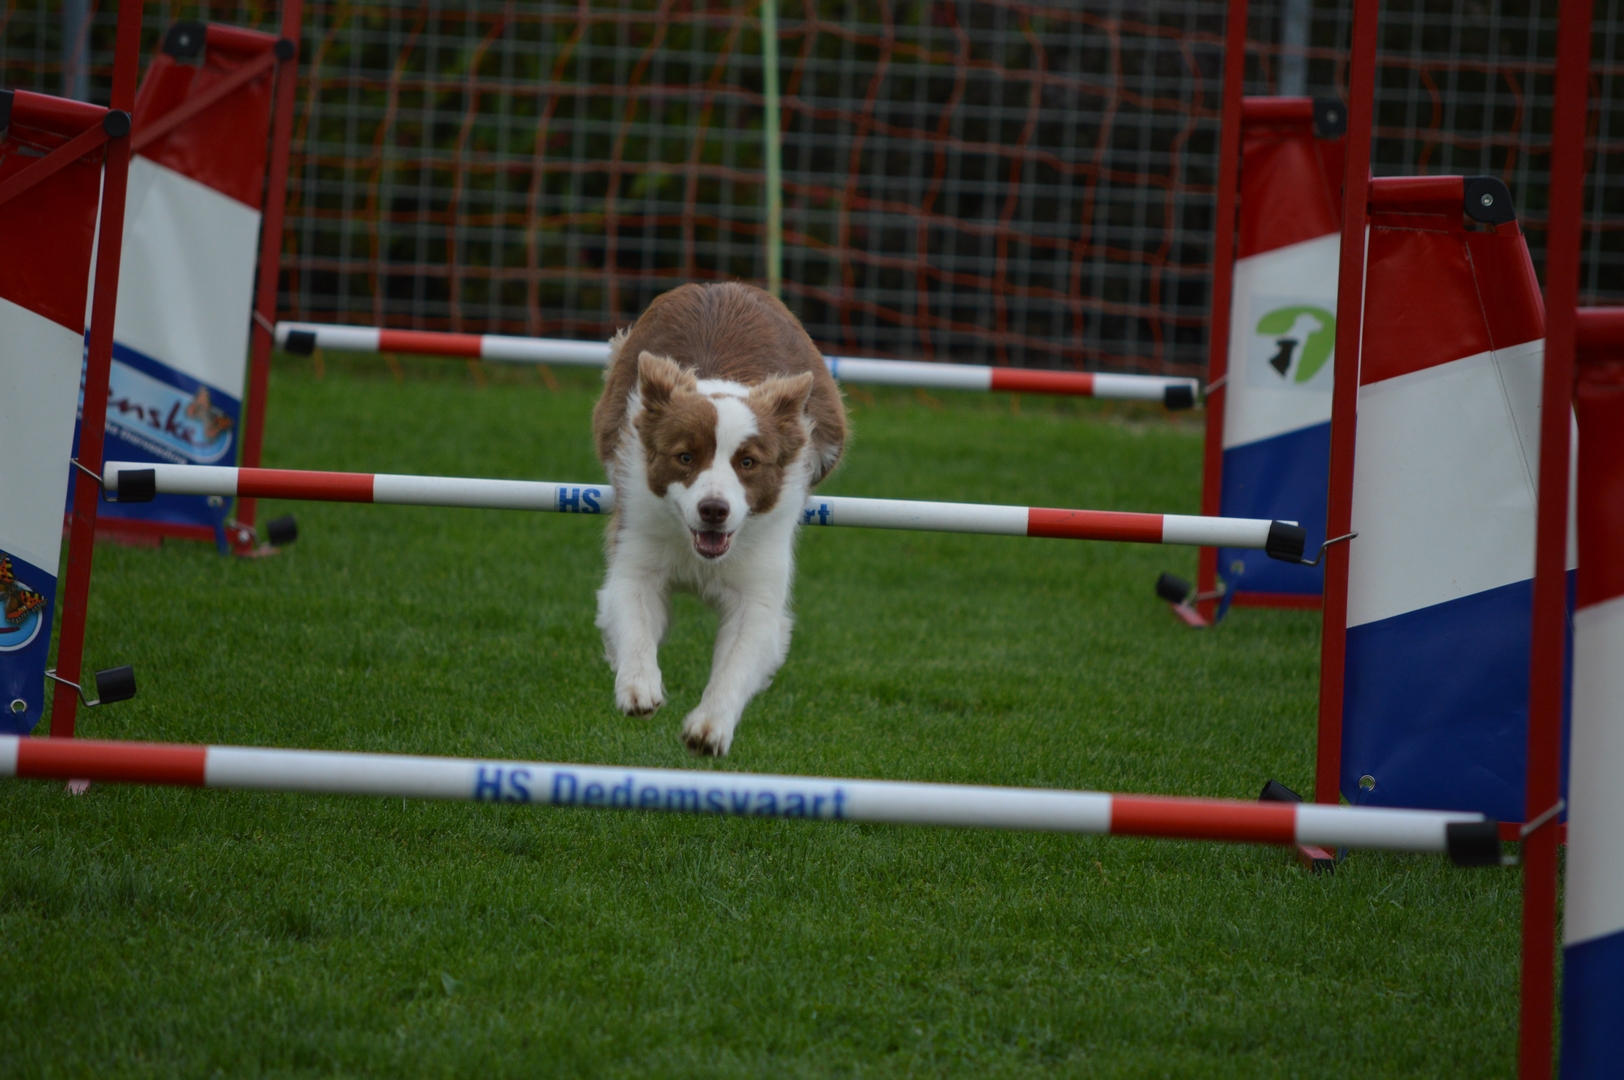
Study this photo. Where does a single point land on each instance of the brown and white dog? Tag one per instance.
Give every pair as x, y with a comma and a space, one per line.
718, 416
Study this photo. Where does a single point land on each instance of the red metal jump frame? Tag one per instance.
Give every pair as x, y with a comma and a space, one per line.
270, 268
1548, 639
1350, 298
98, 363
1223, 285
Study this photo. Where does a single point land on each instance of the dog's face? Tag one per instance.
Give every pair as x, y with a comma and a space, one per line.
717, 452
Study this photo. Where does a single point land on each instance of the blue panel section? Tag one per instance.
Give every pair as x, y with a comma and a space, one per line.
155, 413
1593, 1009
1283, 479
29, 593
1435, 705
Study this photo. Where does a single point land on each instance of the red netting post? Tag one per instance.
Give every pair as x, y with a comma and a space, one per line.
1350, 300
70, 653
1223, 280
1545, 684
270, 254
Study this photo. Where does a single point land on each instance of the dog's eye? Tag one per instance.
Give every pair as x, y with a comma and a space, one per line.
686, 459
747, 463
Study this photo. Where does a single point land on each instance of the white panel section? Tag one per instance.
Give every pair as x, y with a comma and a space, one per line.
8, 756
1215, 531
39, 396
1595, 878
177, 479
544, 351
1444, 483
925, 516
910, 373
337, 338
186, 277
1261, 401
1376, 828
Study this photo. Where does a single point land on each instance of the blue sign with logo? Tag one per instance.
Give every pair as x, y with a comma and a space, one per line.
158, 414
29, 596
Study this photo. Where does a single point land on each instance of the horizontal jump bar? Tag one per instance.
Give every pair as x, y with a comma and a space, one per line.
742, 794
130, 481
1175, 393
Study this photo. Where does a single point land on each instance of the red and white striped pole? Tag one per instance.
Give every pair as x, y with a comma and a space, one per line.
1468, 838
139, 481
1175, 393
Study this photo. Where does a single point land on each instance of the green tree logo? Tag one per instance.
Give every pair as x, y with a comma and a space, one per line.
1316, 345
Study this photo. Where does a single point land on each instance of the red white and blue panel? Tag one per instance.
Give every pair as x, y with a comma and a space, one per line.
47, 234
1593, 910
1435, 703
191, 239
1277, 400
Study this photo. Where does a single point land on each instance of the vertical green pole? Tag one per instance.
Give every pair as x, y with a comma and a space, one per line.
775, 171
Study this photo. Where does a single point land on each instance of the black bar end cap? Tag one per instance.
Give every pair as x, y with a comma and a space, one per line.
1330, 118
1488, 201
5, 110
185, 40
1172, 588
1285, 542
1178, 396
282, 531
115, 685
286, 50
137, 485
1275, 791
116, 122
300, 342
1473, 843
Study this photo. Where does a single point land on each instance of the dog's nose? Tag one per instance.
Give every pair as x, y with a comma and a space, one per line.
713, 511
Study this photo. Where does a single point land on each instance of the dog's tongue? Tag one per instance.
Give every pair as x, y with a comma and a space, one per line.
711, 544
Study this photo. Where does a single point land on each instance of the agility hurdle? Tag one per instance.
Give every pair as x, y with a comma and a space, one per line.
128, 481
303, 338
64, 170
1469, 839
197, 181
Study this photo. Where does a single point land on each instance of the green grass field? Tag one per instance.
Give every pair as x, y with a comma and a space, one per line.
171, 932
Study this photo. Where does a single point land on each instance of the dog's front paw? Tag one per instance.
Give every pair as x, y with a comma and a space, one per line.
706, 733
639, 695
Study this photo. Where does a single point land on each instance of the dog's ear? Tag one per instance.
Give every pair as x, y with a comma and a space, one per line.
658, 377
782, 397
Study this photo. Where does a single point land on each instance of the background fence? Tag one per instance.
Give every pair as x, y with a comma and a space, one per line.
981, 180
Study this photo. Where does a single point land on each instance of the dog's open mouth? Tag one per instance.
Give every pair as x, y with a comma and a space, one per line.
712, 545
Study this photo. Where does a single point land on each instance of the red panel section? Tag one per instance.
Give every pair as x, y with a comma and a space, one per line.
1436, 292
1094, 525
223, 146
1204, 819
1427, 195
1291, 182
1599, 401
1277, 110
48, 231
123, 763
1027, 380
298, 484
59, 116
428, 343
1598, 332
